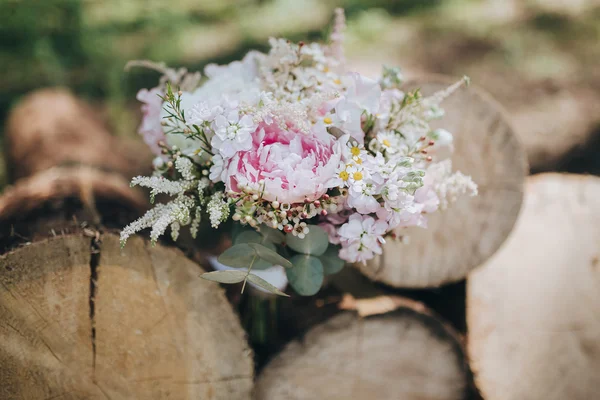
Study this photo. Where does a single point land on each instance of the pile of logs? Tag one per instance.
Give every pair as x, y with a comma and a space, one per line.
499, 299
80, 317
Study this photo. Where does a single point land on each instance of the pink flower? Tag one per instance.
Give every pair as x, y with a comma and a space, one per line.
150, 128
293, 165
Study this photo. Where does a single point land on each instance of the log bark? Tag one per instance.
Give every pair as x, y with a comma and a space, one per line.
532, 309
51, 127
471, 230
407, 354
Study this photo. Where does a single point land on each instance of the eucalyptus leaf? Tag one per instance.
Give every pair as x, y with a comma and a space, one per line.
270, 256
258, 281
251, 236
332, 263
314, 243
228, 276
271, 234
238, 256
306, 277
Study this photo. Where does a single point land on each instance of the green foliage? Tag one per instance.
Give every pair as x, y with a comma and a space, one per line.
307, 275
229, 276
269, 255
332, 263
258, 281
314, 243
238, 256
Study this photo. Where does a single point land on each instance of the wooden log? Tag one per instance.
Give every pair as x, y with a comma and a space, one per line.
82, 318
532, 309
51, 127
471, 230
407, 354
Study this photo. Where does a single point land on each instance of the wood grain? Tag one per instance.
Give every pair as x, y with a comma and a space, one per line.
408, 354
157, 331
533, 309
471, 230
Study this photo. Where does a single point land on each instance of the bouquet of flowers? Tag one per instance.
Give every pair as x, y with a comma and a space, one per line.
316, 166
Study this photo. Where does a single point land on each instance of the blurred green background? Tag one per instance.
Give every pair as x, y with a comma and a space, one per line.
510, 47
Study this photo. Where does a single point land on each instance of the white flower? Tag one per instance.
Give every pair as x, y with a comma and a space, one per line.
361, 238
363, 92
216, 170
347, 117
362, 198
232, 133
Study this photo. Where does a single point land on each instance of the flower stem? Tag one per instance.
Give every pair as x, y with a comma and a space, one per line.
249, 269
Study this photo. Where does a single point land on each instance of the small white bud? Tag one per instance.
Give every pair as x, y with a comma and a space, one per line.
236, 217
254, 197
275, 204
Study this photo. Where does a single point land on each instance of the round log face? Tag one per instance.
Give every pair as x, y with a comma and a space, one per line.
533, 308
471, 230
133, 323
404, 355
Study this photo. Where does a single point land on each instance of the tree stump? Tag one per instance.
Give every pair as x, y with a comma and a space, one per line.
471, 230
82, 318
407, 354
532, 309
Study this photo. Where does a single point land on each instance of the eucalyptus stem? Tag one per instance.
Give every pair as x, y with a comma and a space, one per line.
248, 274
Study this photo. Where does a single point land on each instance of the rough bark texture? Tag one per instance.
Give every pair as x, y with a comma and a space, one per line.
533, 308
51, 127
81, 318
407, 354
64, 199
471, 230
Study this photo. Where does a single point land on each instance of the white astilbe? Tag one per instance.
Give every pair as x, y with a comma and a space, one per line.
175, 213
196, 222
175, 226
218, 209
160, 184
336, 47
450, 186
185, 167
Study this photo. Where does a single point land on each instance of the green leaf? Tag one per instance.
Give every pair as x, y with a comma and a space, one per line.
253, 237
228, 276
270, 256
271, 234
314, 243
306, 277
332, 263
265, 285
238, 256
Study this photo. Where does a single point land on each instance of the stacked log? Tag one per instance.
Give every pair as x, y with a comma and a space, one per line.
407, 353
533, 308
470, 231
81, 317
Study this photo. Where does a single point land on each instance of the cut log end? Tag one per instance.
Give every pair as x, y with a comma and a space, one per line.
84, 319
532, 309
471, 230
408, 354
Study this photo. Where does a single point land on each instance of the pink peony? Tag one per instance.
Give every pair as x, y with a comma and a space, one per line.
293, 165
150, 127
